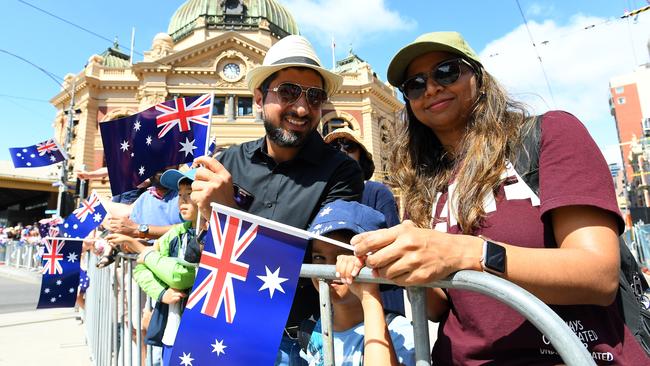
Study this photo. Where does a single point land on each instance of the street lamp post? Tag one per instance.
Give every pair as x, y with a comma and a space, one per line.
63, 177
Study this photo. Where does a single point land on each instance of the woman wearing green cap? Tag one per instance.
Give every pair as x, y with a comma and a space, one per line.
457, 160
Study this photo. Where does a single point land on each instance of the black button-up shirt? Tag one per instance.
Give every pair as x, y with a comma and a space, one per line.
292, 192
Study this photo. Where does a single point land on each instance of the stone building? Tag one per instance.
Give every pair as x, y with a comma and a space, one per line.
209, 46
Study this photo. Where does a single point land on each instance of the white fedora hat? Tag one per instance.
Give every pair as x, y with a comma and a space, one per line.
292, 51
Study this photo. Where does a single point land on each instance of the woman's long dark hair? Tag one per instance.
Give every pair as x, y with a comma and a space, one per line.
422, 167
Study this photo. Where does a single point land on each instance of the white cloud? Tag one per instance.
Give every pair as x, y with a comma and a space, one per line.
348, 21
540, 9
579, 61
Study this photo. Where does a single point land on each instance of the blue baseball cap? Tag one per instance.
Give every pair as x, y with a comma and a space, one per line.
172, 177
347, 215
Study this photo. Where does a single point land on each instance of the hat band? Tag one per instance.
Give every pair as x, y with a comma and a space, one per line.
296, 60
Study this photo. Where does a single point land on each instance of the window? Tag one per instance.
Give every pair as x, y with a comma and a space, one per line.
219, 106
620, 100
244, 106
619, 90
333, 124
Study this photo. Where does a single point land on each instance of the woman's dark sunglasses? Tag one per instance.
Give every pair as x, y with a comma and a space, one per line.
345, 145
445, 73
289, 93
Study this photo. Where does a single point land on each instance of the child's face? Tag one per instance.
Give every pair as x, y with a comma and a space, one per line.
326, 253
185, 205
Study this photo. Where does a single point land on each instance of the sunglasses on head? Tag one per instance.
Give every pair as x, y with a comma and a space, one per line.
345, 145
289, 93
445, 73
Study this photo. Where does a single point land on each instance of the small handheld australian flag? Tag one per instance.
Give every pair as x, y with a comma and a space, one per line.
60, 273
44, 153
248, 264
170, 133
88, 216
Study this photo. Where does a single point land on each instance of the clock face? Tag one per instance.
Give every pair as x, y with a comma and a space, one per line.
231, 71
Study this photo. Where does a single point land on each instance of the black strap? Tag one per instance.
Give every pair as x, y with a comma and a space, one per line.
526, 162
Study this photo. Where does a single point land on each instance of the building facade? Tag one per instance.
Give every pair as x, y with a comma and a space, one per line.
630, 106
208, 48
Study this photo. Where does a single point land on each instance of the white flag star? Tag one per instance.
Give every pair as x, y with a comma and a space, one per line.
72, 257
141, 170
58, 282
272, 281
326, 211
124, 145
136, 126
47, 290
53, 299
218, 347
186, 360
187, 147
97, 217
148, 140
71, 290
52, 158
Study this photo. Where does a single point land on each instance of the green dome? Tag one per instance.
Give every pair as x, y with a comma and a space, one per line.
113, 57
231, 15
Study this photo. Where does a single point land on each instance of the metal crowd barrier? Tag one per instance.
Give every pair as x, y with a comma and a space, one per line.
21, 255
565, 342
113, 313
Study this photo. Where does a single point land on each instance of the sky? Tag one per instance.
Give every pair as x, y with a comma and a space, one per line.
581, 44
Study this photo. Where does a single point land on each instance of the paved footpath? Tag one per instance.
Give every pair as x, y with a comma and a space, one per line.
37, 337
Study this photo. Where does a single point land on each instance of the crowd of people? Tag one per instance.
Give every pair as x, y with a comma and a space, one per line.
466, 206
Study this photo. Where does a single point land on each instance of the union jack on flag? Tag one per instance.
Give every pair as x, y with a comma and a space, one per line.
53, 256
264, 257
46, 147
183, 115
217, 287
87, 207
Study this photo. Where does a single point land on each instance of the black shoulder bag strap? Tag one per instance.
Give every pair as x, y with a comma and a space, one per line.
526, 161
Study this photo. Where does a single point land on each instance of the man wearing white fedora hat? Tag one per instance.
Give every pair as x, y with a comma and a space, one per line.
290, 173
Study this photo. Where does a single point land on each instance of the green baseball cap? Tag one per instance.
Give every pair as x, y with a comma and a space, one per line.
452, 42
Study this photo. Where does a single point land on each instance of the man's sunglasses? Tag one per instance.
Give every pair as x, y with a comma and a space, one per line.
345, 145
289, 93
445, 73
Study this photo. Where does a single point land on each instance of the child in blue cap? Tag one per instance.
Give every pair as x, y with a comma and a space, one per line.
166, 270
363, 334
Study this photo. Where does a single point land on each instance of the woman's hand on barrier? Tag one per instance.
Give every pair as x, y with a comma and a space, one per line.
172, 296
408, 255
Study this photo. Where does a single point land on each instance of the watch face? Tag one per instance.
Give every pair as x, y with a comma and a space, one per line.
231, 71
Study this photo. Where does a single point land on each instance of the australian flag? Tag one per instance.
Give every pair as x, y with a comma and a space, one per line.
170, 133
248, 264
60, 273
49, 227
44, 153
84, 219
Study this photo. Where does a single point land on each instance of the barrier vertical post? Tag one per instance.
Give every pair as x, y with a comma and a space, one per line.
417, 297
326, 322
